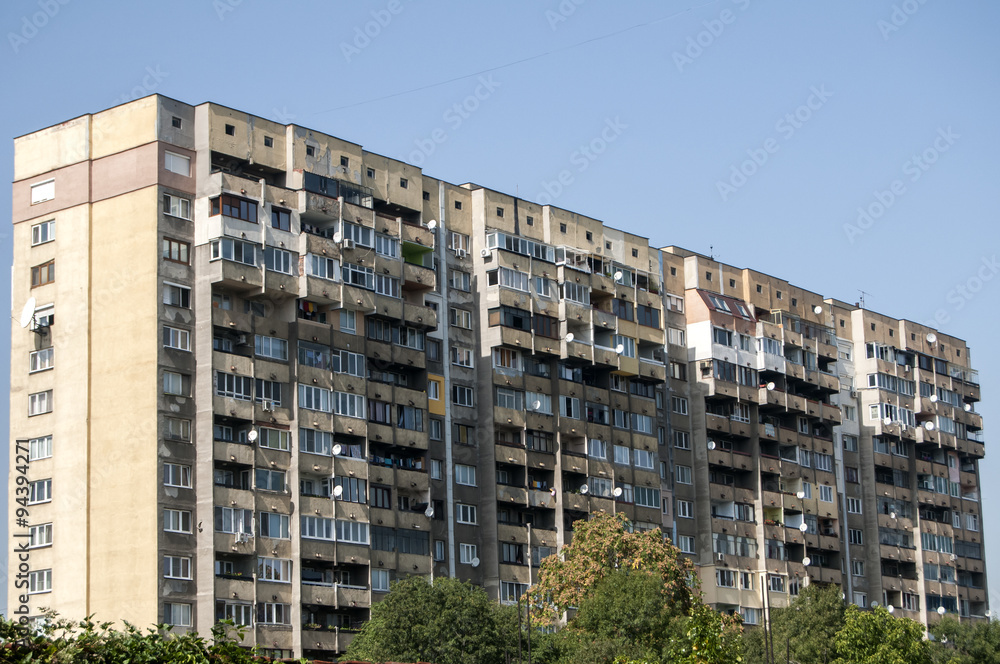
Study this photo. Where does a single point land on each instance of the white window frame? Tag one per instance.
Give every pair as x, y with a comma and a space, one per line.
465, 475
177, 567
40, 536
685, 509
176, 338
825, 493
467, 553
177, 163
43, 191
39, 581
174, 521
43, 232
177, 475
40, 360
40, 403
40, 448
177, 614
466, 514
40, 491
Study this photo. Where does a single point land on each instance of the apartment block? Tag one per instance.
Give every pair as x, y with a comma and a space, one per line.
287, 371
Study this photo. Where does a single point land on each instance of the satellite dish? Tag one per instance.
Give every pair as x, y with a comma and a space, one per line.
618, 275
929, 426
931, 338
252, 435
28, 312
892, 515
711, 444
890, 608
338, 491
475, 562
620, 348
485, 253
800, 495
941, 610
887, 420
617, 492
569, 337
429, 512
933, 398
967, 407
807, 561
817, 309
584, 489
432, 224
536, 404
770, 387
337, 449
337, 237
874, 604
803, 527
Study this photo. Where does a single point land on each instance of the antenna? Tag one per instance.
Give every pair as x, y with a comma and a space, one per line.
620, 348
874, 604
807, 561
28, 312
711, 444
337, 449
252, 435
617, 492
584, 489
929, 425
429, 512
475, 561
803, 527
618, 275
863, 297
337, 237
338, 491
770, 386
890, 608
931, 337
536, 404
569, 337
432, 224
817, 309
800, 495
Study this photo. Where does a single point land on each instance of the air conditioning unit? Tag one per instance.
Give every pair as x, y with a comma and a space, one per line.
242, 538
854, 394
721, 557
348, 243
267, 406
485, 253
460, 253
241, 340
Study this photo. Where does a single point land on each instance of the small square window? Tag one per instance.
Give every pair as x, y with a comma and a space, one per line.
458, 205
176, 122
795, 302
913, 337
345, 161
230, 130
268, 142
403, 183
673, 272
562, 228
708, 276
371, 173
842, 324
499, 211
635, 253
590, 236
530, 220
310, 151
607, 245
427, 195
732, 283
778, 293
759, 289
873, 327
890, 332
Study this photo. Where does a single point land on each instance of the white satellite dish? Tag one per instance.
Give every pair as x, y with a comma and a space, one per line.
585, 489
933, 398
929, 426
807, 561
475, 562
892, 515
890, 608
618, 275
874, 604
617, 492
337, 449
803, 527
432, 224
770, 387
931, 337
28, 312
536, 404
620, 348
429, 512
887, 420
941, 610
338, 491
711, 444
337, 237
817, 309
569, 337
800, 495
967, 407
252, 435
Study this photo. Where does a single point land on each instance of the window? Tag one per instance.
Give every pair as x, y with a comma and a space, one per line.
268, 142
229, 385
177, 475
230, 130
854, 505
176, 163
855, 536
176, 521
40, 448
278, 260
176, 295
348, 321
241, 613
466, 553
176, 567
403, 183
683, 474
269, 480
465, 475
43, 191
643, 459
460, 318
272, 347
229, 520
466, 514
826, 493
776, 583
647, 497
461, 395
314, 527
43, 232
597, 449
380, 580
273, 525
40, 360
269, 613
685, 543
725, 578
685, 509
43, 274
461, 357
234, 250
175, 338
858, 567
679, 405
352, 532
40, 403
850, 443
39, 536
461, 280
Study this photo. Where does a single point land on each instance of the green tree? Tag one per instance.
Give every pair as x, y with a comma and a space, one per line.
965, 642
447, 622
876, 637
806, 628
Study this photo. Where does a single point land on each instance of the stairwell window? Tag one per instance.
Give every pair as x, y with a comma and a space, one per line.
176, 338
176, 567
43, 232
40, 403
40, 360
176, 521
466, 514
40, 491
177, 475
43, 274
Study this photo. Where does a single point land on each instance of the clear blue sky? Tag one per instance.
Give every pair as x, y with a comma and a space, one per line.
642, 109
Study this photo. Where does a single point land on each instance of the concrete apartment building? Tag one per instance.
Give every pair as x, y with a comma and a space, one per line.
287, 371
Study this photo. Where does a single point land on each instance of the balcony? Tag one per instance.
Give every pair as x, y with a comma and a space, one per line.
418, 277
512, 494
